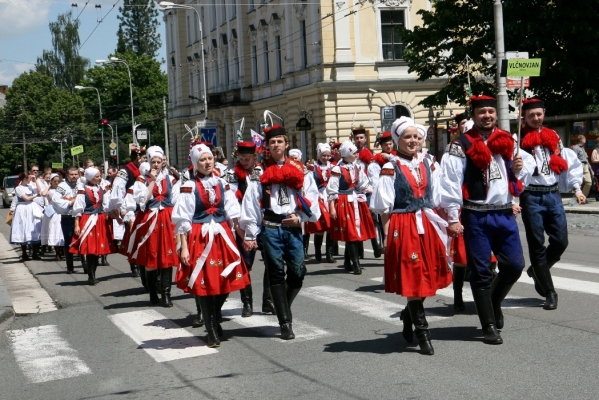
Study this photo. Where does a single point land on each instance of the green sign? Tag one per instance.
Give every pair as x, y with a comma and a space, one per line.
56, 165
76, 150
523, 67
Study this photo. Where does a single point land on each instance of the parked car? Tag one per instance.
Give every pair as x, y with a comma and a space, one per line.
8, 189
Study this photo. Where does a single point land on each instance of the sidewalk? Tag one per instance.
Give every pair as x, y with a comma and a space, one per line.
572, 206
6, 310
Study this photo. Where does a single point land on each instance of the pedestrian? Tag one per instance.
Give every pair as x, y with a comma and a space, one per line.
211, 265
483, 174
541, 202
62, 201
580, 150
350, 216
51, 228
92, 235
276, 207
26, 225
416, 263
595, 168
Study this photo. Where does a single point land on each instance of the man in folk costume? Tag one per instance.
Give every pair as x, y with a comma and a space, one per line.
380, 159
482, 175
288, 197
245, 173
541, 202
63, 200
365, 158
123, 181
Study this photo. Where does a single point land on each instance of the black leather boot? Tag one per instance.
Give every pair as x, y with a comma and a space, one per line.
104, 261
377, 242
267, 305
459, 273
408, 331
538, 287
347, 258
246, 299
318, 247
329, 249
416, 309
279, 297
544, 280
142, 275
92, 263
291, 294
219, 301
208, 310
69, 260
355, 260
360, 249
152, 284
135, 271
84, 264
499, 291
484, 307
335, 250
199, 320
166, 282
306, 245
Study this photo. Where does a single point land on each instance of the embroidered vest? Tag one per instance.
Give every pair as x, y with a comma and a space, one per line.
91, 206
405, 200
474, 178
205, 212
346, 185
161, 199
320, 174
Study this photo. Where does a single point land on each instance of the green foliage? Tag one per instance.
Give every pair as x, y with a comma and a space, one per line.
138, 28
563, 32
63, 63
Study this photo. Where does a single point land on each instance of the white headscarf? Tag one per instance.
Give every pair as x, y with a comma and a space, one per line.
422, 130
295, 153
154, 151
52, 176
144, 168
399, 126
321, 148
196, 152
90, 173
347, 149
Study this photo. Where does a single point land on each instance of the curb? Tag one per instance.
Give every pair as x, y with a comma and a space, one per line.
6, 310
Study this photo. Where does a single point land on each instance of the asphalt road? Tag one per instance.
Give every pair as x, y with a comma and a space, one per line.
106, 341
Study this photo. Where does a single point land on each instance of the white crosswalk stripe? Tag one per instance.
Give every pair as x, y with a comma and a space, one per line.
267, 325
43, 355
160, 337
363, 304
573, 285
576, 267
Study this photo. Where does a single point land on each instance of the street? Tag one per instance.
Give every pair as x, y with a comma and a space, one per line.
106, 341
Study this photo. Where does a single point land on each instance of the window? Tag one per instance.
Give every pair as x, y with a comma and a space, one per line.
203, 24
224, 11
172, 38
234, 10
188, 30
254, 66
251, 4
266, 69
196, 28
303, 44
278, 57
226, 73
192, 93
199, 78
213, 8
216, 73
391, 21
237, 69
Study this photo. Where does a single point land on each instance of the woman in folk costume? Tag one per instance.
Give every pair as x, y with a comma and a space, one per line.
351, 221
155, 247
321, 169
93, 230
211, 265
26, 225
416, 263
51, 229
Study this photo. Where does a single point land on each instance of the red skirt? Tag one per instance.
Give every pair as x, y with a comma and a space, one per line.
209, 282
344, 227
159, 250
458, 250
415, 265
99, 239
324, 222
124, 245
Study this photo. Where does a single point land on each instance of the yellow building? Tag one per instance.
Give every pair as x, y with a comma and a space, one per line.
327, 60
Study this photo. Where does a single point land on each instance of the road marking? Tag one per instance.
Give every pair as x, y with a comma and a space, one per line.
43, 355
268, 325
368, 306
160, 337
573, 285
576, 267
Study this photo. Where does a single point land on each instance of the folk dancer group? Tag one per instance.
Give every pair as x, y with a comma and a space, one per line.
420, 214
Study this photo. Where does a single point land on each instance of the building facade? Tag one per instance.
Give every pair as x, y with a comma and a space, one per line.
334, 62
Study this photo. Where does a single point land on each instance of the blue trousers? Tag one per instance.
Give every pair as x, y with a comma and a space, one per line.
67, 223
283, 245
495, 231
544, 212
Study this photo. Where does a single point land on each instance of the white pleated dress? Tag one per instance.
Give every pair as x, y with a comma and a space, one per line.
26, 225
51, 229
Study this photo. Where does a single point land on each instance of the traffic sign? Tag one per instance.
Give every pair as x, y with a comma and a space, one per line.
76, 150
113, 152
142, 134
208, 131
112, 145
56, 165
430, 134
303, 124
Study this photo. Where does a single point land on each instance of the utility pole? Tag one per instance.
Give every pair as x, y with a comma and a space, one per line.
503, 119
23, 132
166, 146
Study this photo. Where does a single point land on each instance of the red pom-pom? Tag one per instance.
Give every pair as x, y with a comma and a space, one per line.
479, 154
239, 195
531, 140
379, 159
365, 155
272, 175
501, 143
557, 164
240, 172
294, 178
550, 139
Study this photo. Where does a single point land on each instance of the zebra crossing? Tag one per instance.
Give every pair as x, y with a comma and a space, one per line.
43, 354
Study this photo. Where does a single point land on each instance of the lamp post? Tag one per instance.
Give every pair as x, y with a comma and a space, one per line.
503, 119
79, 87
118, 60
167, 5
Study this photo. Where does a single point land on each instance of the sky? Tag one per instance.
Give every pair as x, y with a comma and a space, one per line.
24, 31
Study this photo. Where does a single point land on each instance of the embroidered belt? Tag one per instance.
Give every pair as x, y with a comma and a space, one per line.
541, 188
486, 207
271, 224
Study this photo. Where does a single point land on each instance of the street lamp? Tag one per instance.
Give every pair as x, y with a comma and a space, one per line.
118, 60
167, 5
79, 87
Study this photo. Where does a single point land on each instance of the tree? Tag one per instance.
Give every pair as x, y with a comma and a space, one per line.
562, 32
138, 28
63, 63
